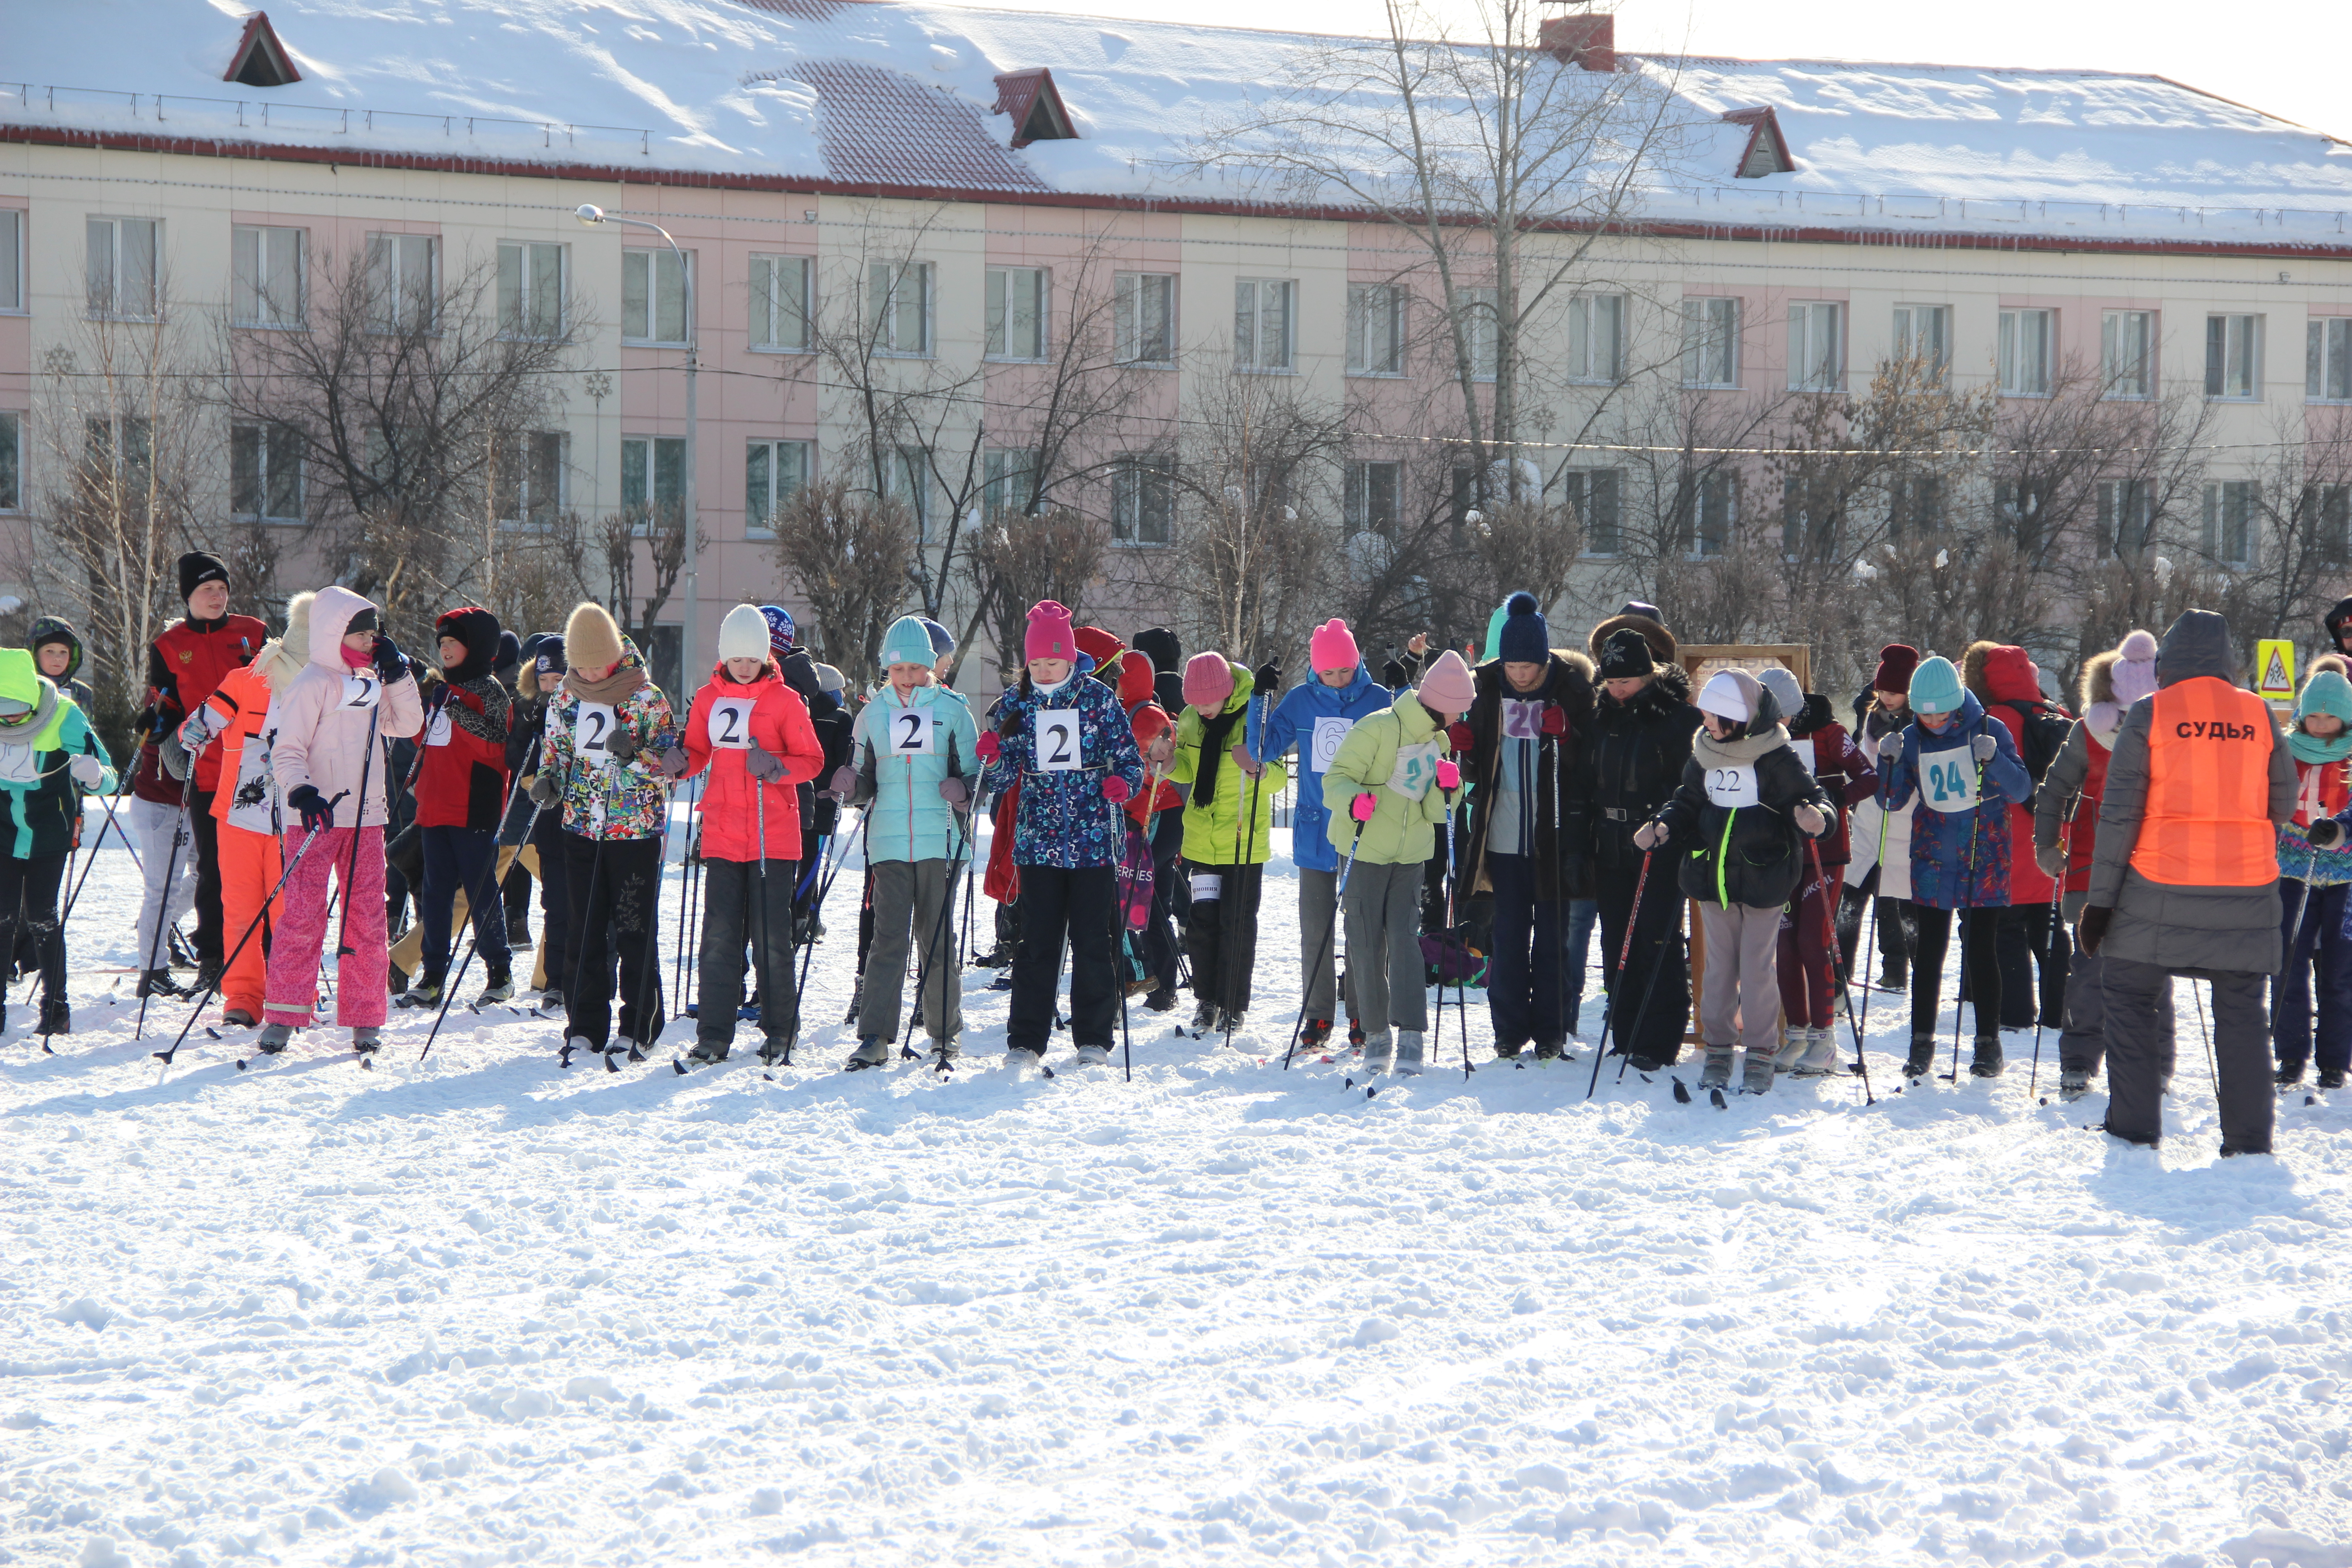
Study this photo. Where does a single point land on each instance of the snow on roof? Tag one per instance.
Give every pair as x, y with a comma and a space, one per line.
868, 94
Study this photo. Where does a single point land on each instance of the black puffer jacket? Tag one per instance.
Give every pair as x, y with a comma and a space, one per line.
1749, 854
1562, 870
1632, 761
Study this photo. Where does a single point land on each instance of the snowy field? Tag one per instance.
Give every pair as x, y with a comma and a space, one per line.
482, 1310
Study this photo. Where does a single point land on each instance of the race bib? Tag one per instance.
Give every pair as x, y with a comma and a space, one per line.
1948, 780
910, 731
1057, 740
1522, 720
731, 723
2310, 804
1804, 750
17, 764
257, 790
1731, 787
360, 688
1415, 770
591, 733
1325, 744
437, 733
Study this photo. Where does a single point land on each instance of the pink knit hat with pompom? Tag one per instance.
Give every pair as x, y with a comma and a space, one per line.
2134, 672
1333, 647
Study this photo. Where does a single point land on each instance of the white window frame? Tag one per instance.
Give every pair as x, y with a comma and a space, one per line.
649, 452
109, 306
256, 259
1482, 309
1376, 330
1003, 470
901, 300
1596, 339
1255, 301
2222, 497
1127, 500
1817, 346
1925, 332
1357, 509
392, 263
2127, 355
273, 446
648, 271
13, 222
2236, 375
781, 295
1598, 495
2327, 360
11, 460
2028, 344
1133, 295
1722, 487
1711, 341
520, 317
1015, 325
765, 490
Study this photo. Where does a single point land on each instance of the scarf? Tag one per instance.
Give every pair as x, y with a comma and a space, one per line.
615, 687
2313, 750
1212, 752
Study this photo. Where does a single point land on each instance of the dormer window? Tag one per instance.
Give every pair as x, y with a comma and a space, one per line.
260, 59
1767, 152
1031, 98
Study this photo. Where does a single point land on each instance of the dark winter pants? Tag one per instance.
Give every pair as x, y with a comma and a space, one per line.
742, 910
1528, 977
2137, 1062
2084, 1046
1980, 962
2030, 938
209, 920
1382, 906
614, 884
1075, 904
28, 892
1806, 967
1171, 899
555, 904
914, 909
1654, 1034
460, 859
1222, 934
2313, 944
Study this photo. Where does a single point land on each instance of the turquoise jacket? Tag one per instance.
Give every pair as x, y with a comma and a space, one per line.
37, 791
903, 751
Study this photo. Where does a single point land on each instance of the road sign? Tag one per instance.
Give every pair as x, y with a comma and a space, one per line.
2275, 659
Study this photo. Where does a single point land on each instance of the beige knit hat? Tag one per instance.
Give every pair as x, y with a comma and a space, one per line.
591, 638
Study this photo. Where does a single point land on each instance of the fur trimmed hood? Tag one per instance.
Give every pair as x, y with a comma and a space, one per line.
2000, 672
1662, 647
2098, 679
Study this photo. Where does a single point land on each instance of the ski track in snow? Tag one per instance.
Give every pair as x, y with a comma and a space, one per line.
483, 1311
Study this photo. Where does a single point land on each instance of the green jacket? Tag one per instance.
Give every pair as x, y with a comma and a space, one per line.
1212, 827
39, 799
1393, 753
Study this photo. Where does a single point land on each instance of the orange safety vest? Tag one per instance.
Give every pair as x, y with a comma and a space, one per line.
2207, 818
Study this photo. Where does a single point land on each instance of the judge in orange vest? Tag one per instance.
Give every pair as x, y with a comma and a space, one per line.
2185, 880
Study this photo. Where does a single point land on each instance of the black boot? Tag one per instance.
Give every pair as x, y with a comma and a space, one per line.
57, 1019
158, 982
1922, 1060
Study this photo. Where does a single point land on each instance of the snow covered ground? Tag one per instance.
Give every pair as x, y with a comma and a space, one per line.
482, 1310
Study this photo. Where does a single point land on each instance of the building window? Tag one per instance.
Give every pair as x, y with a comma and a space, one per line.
1923, 333
1709, 503
401, 282
1016, 312
907, 477
266, 276
1816, 347
2128, 353
116, 461
265, 464
2327, 360
1914, 505
1143, 501
1591, 494
1369, 500
1807, 531
773, 472
12, 259
2023, 357
1144, 307
12, 462
898, 296
2229, 521
780, 303
1262, 322
1481, 327
122, 262
531, 479
653, 475
2233, 356
1710, 342
530, 290
1376, 329
2329, 508
1007, 476
1596, 338
2126, 516
653, 298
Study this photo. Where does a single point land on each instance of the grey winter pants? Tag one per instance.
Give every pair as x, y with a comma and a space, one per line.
1383, 910
155, 824
1743, 944
2134, 992
1318, 911
913, 906
2084, 1045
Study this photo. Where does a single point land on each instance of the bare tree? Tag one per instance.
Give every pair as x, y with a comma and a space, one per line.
846, 553
1020, 559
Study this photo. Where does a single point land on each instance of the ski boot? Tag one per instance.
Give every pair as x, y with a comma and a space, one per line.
871, 1052
2331, 1077
1922, 1059
707, 1051
239, 1018
366, 1040
1509, 1053
1794, 1041
57, 1019
395, 982
2073, 1086
273, 1038
1987, 1061
1820, 1058
1409, 1059
945, 1053
425, 992
1229, 1022
1094, 1056
1550, 1050
1317, 1032
1355, 1035
157, 983
775, 1052
1758, 1076
1379, 1052
1020, 1058
501, 988
550, 1001
1163, 1000
2289, 1073
1204, 1019
1715, 1072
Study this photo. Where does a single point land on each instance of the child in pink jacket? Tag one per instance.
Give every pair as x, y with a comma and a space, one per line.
355, 693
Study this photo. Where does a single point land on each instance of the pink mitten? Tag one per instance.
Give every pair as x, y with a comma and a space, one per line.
1363, 805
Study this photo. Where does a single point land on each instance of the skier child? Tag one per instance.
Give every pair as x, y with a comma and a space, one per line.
1228, 835
49, 756
2315, 868
1809, 966
461, 793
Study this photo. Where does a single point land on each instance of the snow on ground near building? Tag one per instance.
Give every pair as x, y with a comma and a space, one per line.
483, 1311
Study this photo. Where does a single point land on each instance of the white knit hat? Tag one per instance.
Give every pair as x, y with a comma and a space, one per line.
744, 634
1731, 694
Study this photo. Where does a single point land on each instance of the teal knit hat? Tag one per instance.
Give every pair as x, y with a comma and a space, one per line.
2326, 692
909, 641
1934, 687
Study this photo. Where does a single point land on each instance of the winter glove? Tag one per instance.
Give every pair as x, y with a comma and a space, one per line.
1449, 775
1890, 744
674, 761
391, 664
1649, 835
2325, 834
1984, 746
844, 781
316, 812
954, 791
1363, 805
624, 745
2093, 930
2051, 859
1267, 679
765, 765
86, 770
988, 747
174, 756
545, 791
1115, 789
1811, 821
1458, 736
1555, 720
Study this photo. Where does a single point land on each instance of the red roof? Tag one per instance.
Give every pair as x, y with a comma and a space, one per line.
887, 128
260, 59
1767, 151
1035, 106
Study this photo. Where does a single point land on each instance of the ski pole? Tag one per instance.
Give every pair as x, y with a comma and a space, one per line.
1871, 948
1118, 948
1330, 935
824, 887
96, 844
181, 832
1625, 957
1960, 919
1829, 935
1227, 981
2057, 924
1452, 904
2206, 1035
474, 935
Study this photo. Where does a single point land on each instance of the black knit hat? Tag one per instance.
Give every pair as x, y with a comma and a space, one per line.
197, 567
2336, 618
1626, 655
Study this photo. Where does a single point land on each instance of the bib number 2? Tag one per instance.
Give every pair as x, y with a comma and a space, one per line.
910, 734
1057, 740
730, 726
591, 733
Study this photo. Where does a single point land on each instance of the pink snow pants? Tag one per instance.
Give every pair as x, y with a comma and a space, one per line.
361, 999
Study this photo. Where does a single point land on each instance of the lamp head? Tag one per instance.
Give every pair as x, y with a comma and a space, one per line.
589, 215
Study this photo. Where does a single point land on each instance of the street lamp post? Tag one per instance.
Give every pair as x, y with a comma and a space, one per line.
590, 215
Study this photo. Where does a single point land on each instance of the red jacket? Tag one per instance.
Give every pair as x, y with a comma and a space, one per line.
1835, 756
1148, 721
461, 758
2083, 833
730, 806
2010, 691
184, 667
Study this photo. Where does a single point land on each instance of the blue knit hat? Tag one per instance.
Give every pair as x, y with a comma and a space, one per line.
942, 639
779, 628
1934, 687
906, 643
1526, 639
